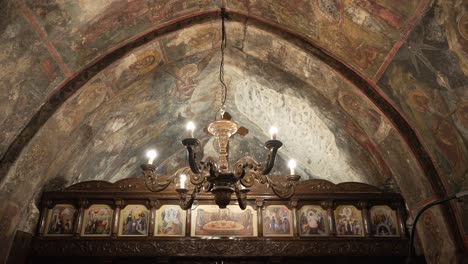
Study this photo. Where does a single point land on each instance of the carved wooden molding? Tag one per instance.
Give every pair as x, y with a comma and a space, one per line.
91, 185
224, 247
303, 187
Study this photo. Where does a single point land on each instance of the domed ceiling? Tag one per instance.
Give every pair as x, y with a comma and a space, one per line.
366, 91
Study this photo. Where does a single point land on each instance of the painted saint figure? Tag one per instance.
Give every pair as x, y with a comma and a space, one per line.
61, 219
170, 221
348, 221
312, 222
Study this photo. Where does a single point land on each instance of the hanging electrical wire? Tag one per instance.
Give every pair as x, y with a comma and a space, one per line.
221, 66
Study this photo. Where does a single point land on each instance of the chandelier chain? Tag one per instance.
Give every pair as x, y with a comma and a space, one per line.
221, 66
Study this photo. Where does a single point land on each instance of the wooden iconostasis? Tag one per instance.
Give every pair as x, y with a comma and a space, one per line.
99, 218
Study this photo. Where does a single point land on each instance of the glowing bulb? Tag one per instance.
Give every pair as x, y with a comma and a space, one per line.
292, 166
151, 154
190, 127
273, 132
183, 179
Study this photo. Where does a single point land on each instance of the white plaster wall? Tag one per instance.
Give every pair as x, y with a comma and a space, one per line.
306, 137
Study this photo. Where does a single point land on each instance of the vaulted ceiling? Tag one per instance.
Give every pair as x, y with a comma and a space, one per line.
366, 91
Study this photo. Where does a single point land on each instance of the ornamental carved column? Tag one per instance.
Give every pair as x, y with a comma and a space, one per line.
259, 204
293, 207
46, 205
115, 220
153, 207
188, 221
82, 204
328, 205
364, 206
400, 218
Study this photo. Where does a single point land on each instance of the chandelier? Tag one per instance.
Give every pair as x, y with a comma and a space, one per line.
215, 175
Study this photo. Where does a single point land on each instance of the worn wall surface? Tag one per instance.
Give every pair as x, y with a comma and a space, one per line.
304, 66
428, 81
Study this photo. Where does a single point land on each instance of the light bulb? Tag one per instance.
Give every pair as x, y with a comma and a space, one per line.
151, 154
190, 127
273, 132
292, 166
183, 179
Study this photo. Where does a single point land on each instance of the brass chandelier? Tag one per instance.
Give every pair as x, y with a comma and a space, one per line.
214, 175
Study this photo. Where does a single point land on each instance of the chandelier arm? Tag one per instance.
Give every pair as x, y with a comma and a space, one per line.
206, 185
186, 201
195, 179
190, 144
249, 179
151, 178
210, 165
273, 146
270, 162
244, 166
241, 195
192, 160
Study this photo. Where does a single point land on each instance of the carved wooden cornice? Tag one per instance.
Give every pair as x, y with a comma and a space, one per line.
218, 247
303, 187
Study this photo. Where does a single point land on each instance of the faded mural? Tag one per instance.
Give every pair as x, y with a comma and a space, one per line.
82, 30
28, 73
144, 99
361, 33
335, 106
428, 81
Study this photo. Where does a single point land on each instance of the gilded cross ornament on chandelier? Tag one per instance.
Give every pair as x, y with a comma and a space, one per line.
215, 175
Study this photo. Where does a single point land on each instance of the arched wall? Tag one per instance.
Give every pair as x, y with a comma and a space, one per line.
16, 158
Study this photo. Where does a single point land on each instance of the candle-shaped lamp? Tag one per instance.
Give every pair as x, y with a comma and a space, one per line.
273, 132
190, 127
151, 154
292, 166
183, 179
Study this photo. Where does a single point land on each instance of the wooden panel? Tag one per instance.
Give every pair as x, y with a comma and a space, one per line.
299, 240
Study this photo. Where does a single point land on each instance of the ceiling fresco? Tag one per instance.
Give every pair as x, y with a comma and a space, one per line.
82, 30
28, 73
428, 80
333, 99
362, 33
146, 98
359, 32
101, 129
